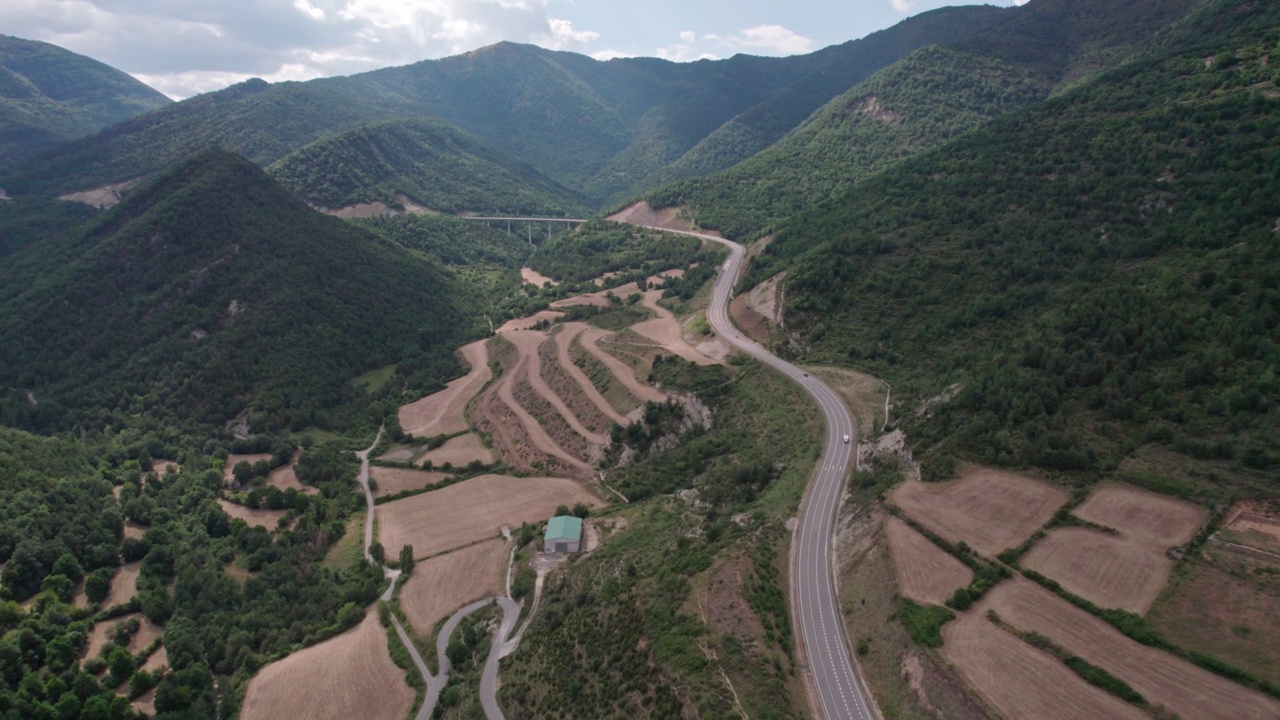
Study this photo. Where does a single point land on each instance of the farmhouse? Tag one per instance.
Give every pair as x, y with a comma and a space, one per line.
564, 532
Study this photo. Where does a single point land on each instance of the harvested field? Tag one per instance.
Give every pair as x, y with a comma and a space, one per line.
473, 510
1109, 571
1161, 678
396, 480
124, 586
444, 412
145, 703
925, 572
601, 298
349, 676
233, 460
1158, 521
458, 452
535, 278
157, 660
286, 479
563, 340
527, 343
134, 530
643, 391
667, 332
991, 510
1225, 606
447, 582
1022, 682
600, 281
397, 454
261, 517
148, 632
526, 323
536, 434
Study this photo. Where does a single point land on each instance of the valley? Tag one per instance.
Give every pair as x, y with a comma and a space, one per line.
928, 375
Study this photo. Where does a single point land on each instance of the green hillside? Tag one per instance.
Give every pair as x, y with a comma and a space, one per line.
1097, 273
924, 100
606, 129
49, 95
211, 293
432, 164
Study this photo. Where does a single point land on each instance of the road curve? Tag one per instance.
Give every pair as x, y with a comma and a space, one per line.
840, 692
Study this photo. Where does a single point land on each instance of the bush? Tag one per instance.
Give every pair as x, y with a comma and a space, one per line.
924, 622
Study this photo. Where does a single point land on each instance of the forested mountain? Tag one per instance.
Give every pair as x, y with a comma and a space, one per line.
1094, 273
431, 164
213, 293
49, 95
922, 101
605, 129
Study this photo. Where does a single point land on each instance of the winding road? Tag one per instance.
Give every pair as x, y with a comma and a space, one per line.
815, 605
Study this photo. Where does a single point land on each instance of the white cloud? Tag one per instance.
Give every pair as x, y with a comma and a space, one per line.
772, 39
903, 6
604, 55
563, 36
758, 40
182, 48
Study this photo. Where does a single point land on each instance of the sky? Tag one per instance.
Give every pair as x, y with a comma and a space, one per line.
186, 47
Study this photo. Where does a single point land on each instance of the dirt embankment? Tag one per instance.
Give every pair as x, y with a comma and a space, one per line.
668, 219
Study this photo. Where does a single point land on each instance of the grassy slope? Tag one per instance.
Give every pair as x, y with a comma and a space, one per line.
431, 163
49, 95
920, 102
1098, 272
210, 291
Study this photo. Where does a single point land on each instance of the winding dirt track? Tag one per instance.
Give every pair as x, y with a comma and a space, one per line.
563, 340
642, 391
537, 435
443, 413
527, 343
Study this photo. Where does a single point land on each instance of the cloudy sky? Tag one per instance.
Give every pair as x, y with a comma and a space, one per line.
184, 47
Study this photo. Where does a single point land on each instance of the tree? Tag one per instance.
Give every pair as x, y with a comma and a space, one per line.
562, 510
581, 510
406, 559
378, 553
242, 472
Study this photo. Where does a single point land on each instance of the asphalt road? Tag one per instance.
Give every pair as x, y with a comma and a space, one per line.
816, 611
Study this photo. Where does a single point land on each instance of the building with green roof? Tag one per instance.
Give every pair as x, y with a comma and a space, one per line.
564, 534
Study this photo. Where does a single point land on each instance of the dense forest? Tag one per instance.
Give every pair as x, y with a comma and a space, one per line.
1095, 273
426, 162
920, 102
213, 294
603, 129
49, 95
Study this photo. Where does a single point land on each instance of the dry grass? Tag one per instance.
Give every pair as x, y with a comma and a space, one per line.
458, 451
590, 340
447, 582
349, 549
261, 517
349, 676
1161, 678
1158, 521
1020, 681
124, 586
286, 479
991, 510
444, 412
563, 343
473, 510
1109, 571
667, 333
396, 480
601, 298
1226, 606
924, 571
